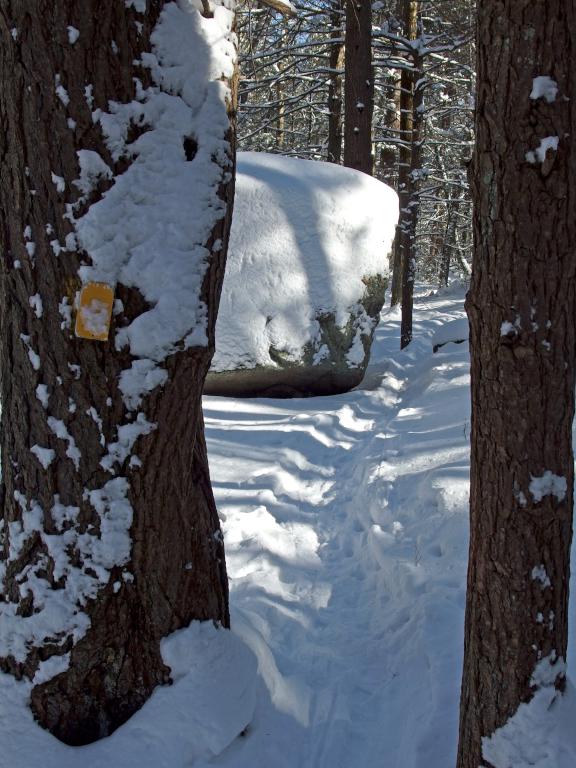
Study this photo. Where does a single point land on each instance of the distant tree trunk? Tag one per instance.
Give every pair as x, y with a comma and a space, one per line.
410, 17
521, 306
335, 84
280, 120
409, 216
389, 152
444, 249
109, 538
449, 240
358, 86
436, 240
309, 120
452, 209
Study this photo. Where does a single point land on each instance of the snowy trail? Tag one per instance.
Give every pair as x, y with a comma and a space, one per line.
336, 557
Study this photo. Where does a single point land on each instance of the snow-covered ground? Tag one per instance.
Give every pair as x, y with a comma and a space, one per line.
346, 530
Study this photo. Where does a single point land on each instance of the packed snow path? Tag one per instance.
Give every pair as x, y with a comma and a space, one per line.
346, 524
345, 521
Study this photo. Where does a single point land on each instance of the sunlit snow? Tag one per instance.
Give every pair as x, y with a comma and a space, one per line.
345, 521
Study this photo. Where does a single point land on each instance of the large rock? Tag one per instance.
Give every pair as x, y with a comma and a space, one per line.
305, 280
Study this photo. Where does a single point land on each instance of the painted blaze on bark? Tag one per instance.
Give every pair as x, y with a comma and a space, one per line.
109, 537
521, 307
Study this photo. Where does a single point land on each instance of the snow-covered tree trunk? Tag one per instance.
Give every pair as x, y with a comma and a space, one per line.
358, 86
117, 169
521, 306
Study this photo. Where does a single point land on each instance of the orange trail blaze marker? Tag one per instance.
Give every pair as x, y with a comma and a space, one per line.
94, 311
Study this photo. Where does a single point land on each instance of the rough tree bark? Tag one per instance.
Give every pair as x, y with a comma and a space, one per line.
62, 63
358, 86
521, 307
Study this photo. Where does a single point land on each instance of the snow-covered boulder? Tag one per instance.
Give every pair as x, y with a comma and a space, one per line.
305, 280
454, 331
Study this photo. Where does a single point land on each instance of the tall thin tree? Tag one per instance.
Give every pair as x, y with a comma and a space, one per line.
409, 213
336, 65
410, 22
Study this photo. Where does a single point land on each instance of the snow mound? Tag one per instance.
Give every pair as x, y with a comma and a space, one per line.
456, 331
540, 735
210, 703
306, 270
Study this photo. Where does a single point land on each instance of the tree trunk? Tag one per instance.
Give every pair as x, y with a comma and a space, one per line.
335, 84
409, 214
358, 86
410, 16
521, 306
449, 240
389, 153
280, 117
109, 538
